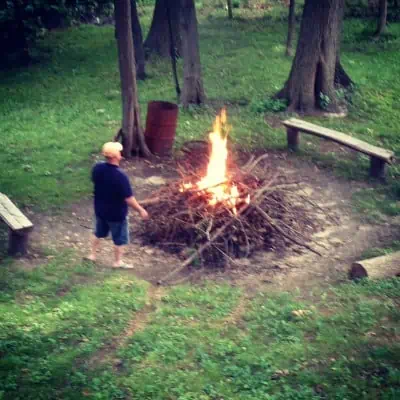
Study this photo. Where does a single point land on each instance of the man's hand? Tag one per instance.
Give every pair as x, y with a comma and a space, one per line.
131, 201
143, 213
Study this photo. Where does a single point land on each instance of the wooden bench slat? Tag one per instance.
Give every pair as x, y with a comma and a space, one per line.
12, 216
340, 138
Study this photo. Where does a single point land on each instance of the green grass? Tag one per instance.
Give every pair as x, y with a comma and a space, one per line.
208, 342
205, 342
55, 115
53, 318
334, 351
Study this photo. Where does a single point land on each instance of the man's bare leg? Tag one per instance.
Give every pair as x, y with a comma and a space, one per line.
118, 263
118, 251
93, 250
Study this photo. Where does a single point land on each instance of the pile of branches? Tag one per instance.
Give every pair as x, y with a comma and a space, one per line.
183, 221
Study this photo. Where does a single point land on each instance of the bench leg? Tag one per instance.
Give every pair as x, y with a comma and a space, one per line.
377, 168
18, 242
292, 139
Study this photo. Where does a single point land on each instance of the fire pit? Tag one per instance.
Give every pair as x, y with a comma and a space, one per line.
219, 215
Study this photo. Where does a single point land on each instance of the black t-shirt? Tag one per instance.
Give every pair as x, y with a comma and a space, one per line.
111, 188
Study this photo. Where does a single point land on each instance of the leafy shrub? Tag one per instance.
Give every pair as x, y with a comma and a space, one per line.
368, 8
23, 22
324, 101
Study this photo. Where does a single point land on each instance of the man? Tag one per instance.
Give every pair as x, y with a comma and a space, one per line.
112, 196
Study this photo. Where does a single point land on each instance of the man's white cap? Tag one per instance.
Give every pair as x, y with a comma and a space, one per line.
111, 149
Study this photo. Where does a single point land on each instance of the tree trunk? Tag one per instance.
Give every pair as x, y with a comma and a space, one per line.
193, 91
342, 79
230, 13
158, 39
291, 27
131, 131
138, 42
314, 66
382, 20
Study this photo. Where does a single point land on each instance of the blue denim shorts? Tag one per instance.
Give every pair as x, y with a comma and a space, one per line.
119, 230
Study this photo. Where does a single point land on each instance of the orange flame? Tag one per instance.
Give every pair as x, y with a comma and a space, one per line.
215, 182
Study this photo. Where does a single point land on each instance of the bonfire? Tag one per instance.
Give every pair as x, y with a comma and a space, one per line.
215, 217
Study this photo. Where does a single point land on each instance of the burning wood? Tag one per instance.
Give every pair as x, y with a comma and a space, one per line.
215, 184
222, 215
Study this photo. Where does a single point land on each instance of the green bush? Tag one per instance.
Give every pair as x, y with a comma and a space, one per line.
23, 22
370, 9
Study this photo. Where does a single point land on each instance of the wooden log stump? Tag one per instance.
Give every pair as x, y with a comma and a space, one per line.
377, 168
387, 266
292, 138
18, 241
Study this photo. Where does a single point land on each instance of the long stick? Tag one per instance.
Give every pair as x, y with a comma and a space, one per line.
281, 231
250, 166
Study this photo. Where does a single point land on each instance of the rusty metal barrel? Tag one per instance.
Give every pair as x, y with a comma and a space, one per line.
161, 126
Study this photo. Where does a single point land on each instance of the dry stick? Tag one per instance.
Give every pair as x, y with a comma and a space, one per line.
314, 204
294, 231
250, 167
226, 255
217, 234
153, 200
246, 238
276, 227
248, 162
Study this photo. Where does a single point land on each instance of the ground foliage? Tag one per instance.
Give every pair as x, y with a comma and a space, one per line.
207, 342
197, 344
23, 23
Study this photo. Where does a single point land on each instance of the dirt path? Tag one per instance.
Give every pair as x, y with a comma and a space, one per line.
343, 238
107, 354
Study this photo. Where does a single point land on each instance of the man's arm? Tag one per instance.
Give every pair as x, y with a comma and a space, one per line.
132, 202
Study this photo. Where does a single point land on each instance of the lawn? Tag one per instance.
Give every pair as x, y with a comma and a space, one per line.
56, 114
64, 324
63, 336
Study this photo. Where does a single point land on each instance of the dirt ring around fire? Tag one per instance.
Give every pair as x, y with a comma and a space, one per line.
341, 239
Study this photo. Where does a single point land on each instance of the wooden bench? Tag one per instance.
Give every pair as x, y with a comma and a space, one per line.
18, 224
379, 157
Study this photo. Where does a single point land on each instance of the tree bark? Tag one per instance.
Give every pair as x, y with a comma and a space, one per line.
138, 43
291, 27
193, 91
131, 131
158, 39
230, 13
382, 19
314, 66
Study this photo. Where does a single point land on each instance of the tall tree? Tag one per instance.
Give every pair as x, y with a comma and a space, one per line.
138, 42
291, 27
316, 64
164, 29
131, 131
193, 90
382, 18
230, 13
